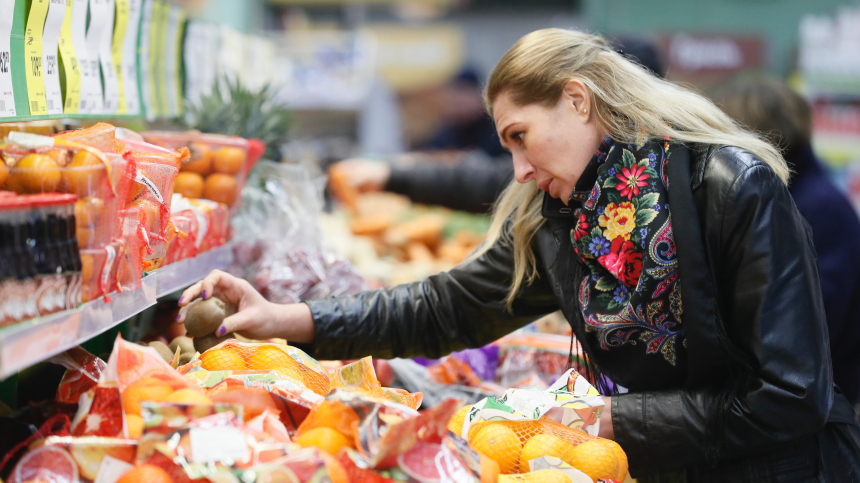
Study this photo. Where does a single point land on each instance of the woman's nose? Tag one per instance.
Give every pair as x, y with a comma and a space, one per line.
523, 170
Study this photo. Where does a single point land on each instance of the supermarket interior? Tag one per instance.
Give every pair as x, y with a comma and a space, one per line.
415, 241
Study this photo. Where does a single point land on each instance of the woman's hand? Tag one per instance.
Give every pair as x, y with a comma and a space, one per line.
606, 429
255, 317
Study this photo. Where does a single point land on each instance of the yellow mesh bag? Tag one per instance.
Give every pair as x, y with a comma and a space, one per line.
287, 361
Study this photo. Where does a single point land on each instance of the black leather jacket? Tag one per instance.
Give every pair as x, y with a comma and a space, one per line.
755, 326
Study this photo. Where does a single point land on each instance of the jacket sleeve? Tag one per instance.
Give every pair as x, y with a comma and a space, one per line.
771, 310
448, 312
472, 185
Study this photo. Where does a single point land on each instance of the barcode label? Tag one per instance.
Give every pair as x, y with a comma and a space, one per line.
4, 62
34, 106
52, 64
83, 104
50, 104
2, 105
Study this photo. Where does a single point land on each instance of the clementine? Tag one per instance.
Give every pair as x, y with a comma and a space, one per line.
326, 439
188, 184
542, 445
147, 473
229, 160
599, 458
500, 443
36, 173
223, 359
221, 188
84, 174
87, 211
200, 160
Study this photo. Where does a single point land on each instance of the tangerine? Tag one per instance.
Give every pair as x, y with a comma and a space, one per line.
221, 188
599, 458
134, 425
542, 445
4, 172
499, 442
229, 160
188, 184
147, 473
326, 439
188, 396
151, 210
268, 357
455, 424
200, 159
223, 359
87, 211
84, 174
36, 173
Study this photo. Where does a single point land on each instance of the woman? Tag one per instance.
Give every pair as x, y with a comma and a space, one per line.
680, 260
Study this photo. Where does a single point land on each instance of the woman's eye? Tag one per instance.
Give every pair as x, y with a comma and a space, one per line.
518, 136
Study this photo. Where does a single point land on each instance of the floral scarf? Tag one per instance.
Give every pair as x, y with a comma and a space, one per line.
624, 235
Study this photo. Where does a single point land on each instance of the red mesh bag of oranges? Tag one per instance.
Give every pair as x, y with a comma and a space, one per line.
528, 430
287, 362
138, 375
216, 168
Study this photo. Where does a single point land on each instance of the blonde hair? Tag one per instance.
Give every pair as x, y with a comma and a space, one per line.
628, 101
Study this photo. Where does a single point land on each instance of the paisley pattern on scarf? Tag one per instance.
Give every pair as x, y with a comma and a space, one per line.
623, 233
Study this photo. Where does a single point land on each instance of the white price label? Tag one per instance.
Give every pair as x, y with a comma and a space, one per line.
140, 178
111, 84
171, 45
129, 58
79, 41
112, 470
145, 55
50, 56
218, 445
95, 102
7, 96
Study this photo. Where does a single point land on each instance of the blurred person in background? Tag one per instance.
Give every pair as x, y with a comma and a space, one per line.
484, 169
666, 235
772, 108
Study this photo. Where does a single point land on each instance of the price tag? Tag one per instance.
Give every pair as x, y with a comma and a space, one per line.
95, 101
170, 81
128, 65
159, 30
120, 26
50, 56
145, 58
33, 57
70, 62
7, 95
112, 470
218, 444
111, 82
80, 9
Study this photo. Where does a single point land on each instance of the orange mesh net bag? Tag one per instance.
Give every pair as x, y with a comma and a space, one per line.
284, 361
101, 136
555, 429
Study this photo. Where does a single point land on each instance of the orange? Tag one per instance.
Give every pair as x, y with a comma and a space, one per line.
224, 359
86, 236
489, 469
542, 445
147, 473
326, 439
269, 357
229, 160
599, 458
87, 211
134, 425
540, 476
36, 173
200, 160
188, 396
188, 184
152, 212
133, 396
455, 424
500, 443
84, 174
4, 172
221, 188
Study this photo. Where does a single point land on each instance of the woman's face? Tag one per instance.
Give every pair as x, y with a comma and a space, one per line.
550, 145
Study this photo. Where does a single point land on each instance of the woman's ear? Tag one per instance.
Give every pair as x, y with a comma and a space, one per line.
577, 96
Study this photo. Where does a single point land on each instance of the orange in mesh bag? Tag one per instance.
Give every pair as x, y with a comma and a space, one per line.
287, 361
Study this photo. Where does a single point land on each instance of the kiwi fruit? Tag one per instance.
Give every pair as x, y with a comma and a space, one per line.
205, 316
162, 350
206, 342
185, 344
185, 358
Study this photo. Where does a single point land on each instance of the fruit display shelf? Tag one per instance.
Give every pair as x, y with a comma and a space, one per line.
27, 343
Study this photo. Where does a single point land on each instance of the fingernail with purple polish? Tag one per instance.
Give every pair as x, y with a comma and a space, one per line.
222, 331
180, 300
204, 295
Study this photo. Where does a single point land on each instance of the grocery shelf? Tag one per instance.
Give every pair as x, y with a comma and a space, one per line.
33, 341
